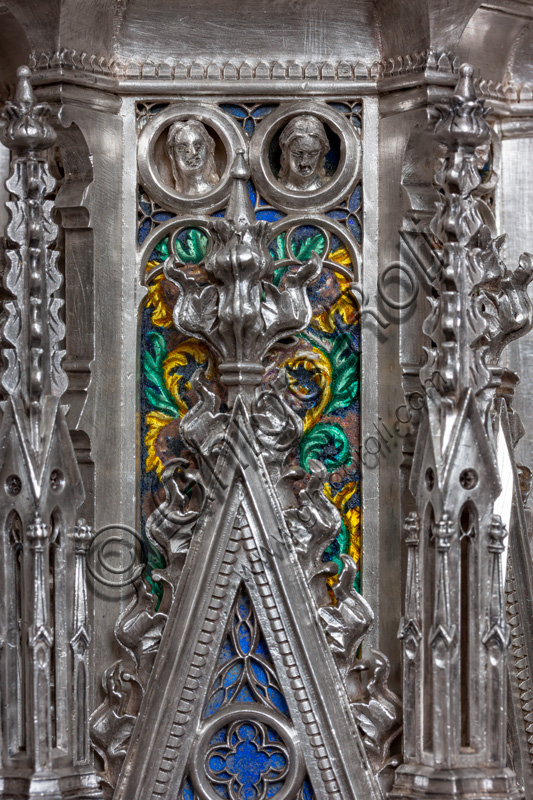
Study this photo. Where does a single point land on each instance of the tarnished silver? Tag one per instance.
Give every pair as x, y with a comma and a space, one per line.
455, 631
45, 620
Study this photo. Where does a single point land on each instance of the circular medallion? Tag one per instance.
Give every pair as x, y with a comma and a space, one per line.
185, 157
305, 156
247, 750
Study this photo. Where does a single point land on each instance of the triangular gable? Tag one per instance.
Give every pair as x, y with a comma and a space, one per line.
427, 449
242, 536
55, 450
468, 432
246, 759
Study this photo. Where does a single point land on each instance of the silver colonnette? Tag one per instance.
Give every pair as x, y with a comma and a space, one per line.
455, 630
45, 624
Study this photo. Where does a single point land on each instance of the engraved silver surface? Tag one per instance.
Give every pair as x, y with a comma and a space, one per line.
455, 631
45, 618
239, 444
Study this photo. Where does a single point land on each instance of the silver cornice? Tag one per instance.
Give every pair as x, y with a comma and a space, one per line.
249, 78
211, 69
338, 77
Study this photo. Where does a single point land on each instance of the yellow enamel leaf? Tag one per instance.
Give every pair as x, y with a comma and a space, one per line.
156, 421
351, 516
173, 368
316, 363
162, 314
345, 305
341, 256
352, 519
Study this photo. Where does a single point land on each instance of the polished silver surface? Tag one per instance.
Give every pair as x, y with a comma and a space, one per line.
45, 620
102, 67
455, 630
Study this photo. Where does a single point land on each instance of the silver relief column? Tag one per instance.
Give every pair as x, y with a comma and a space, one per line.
45, 599
41, 638
455, 634
80, 643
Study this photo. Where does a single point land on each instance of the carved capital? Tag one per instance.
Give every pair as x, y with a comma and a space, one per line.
26, 127
83, 536
38, 534
412, 529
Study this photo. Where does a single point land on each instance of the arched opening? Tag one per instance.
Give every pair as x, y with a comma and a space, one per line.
467, 530
429, 604
58, 667
55, 542
81, 679
15, 644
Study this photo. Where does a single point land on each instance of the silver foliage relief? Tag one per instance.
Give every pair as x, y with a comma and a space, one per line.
223, 524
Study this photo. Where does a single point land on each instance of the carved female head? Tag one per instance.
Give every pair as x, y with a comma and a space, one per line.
304, 144
191, 150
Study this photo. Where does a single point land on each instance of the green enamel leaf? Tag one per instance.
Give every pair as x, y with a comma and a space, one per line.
157, 340
327, 443
340, 350
309, 245
277, 247
342, 541
343, 538
162, 248
302, 251
152, 374
278, 274
194, 249
160, 404
157, 393
155, 561
345, 381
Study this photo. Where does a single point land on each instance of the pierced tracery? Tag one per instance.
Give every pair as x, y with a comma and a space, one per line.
323, 363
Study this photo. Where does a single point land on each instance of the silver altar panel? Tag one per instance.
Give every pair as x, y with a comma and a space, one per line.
98, 65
